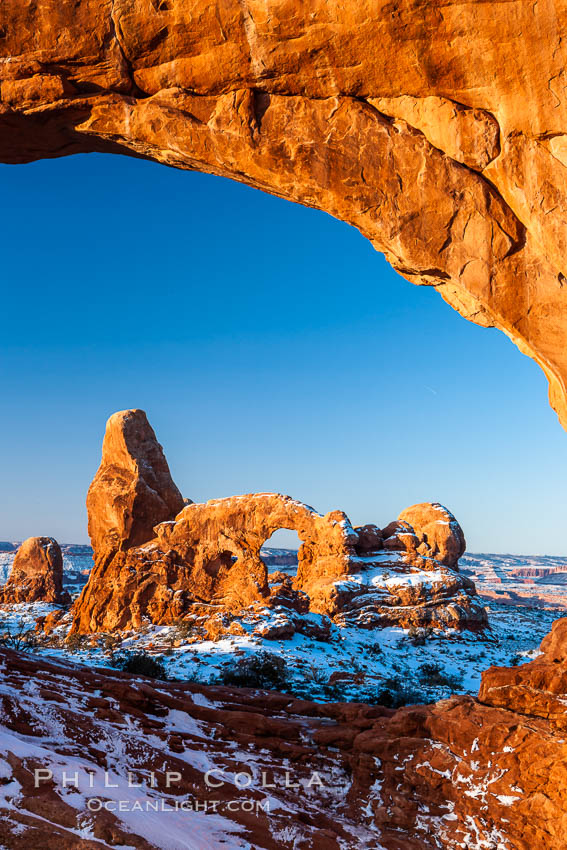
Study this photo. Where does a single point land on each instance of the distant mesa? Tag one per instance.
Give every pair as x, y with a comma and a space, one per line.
159, 558
37, 574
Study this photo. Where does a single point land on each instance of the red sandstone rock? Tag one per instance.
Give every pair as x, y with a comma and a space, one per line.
537, 688
439, 131
37, 574
50, 622
132, 490
440, 535
459, 773
370, 539
211, 554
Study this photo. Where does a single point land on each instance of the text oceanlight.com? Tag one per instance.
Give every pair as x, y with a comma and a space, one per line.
96, 804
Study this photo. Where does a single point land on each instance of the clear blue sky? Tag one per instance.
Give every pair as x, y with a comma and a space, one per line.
272, 348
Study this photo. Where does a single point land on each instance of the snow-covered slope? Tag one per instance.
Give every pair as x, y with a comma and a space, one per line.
322, 660
349, 664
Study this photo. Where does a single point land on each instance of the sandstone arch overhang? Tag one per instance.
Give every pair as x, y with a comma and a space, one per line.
439, 130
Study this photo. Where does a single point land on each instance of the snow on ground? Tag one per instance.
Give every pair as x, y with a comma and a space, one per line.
366, 661
428, 665
143, 808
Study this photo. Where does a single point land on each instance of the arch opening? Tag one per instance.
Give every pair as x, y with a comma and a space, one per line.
281, 550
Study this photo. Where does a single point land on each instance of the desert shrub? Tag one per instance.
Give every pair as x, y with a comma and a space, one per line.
53, 640
263, 670
374, 650
394, 693
418, 636
140, 663
110, 643
516, 659
20, 639
335, 693
317, 675
183, 629
433, 676
75, 642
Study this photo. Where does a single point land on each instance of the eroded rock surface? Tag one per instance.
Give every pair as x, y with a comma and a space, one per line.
537, 688
458, 773
132, 490
438, 533
36, 574
439, 130
206, 562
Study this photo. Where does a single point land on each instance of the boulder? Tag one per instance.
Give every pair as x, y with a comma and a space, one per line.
439, 534
370, 539
37, 574
537, 688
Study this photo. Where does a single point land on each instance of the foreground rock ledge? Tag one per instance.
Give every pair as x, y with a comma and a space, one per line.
459, 773
439, 130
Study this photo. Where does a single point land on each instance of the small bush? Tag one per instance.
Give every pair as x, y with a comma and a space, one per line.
75, 642
140, 664
21, 639
516, 659
374, 650
110, 643
394, 693
433, 676
183, 629
263, 670
418, 637
334, 693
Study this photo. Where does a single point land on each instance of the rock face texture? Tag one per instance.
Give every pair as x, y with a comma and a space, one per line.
37, 574
439, 130
537, 688
132, 490
486, 773
207, 558
439, 534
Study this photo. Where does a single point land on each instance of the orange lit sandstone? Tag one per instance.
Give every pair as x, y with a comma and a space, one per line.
439, 130
36, 574
152, 563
